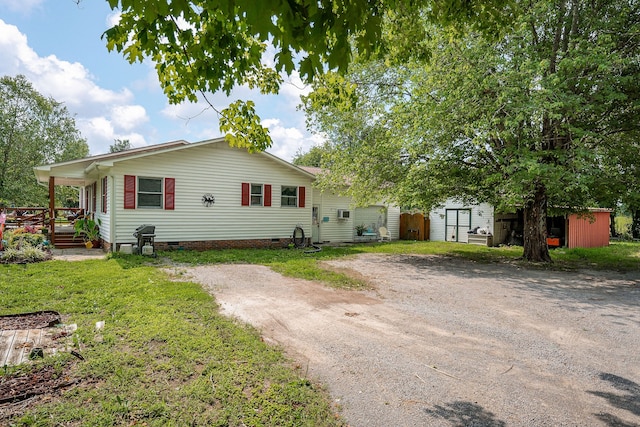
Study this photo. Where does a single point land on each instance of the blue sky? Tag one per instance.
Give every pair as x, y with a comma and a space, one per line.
57, 45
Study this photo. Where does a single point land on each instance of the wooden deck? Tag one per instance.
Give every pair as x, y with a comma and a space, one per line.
38, 217
16, 345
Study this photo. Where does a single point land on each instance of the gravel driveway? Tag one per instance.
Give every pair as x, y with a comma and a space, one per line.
448, 342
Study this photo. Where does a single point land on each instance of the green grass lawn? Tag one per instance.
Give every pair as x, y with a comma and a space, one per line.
619, 256
167, 357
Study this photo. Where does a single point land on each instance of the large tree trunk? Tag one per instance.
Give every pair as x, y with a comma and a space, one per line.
535, 227
635, 223
612, 225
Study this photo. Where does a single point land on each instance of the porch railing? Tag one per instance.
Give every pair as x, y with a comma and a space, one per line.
39, 217
23, 216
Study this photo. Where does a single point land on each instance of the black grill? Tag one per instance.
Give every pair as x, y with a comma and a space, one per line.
146, 237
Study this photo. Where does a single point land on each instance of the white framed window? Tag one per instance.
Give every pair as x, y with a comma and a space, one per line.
289, 196
149, 192
256, 194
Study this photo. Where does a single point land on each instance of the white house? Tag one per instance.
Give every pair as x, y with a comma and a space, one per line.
334, 217
207, 195
453, 221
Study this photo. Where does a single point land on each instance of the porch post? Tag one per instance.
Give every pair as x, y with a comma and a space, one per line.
52, 210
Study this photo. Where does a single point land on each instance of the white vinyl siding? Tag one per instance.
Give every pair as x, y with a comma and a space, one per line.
219, 170
337, 230
372, 217
443, 220
333, 229
103, 218
393, 222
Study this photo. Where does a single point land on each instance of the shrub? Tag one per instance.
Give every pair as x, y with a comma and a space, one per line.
27, 236
10, 255
24, 254
34, 254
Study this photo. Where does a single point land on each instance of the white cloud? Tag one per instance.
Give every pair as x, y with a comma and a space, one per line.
99, 132
12, 49
136, 139
65, 81
287, 140
188, 111
128, 117
102, 115
293, 87
113, 18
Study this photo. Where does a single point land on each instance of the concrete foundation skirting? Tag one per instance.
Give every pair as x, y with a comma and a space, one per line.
276, 243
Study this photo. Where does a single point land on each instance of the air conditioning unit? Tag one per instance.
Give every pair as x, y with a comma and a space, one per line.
343, 214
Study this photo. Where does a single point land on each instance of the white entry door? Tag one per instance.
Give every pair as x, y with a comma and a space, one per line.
458, 222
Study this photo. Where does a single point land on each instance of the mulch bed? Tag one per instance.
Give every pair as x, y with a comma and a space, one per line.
37, 320
46, 380
18, 387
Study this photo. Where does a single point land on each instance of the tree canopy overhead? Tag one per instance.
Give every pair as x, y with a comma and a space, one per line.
512, 102
34, 130
205, 46
530, 119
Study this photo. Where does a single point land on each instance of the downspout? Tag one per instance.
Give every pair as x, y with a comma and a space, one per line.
320, 215
112, 212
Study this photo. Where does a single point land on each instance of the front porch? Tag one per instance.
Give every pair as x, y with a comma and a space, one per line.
57, 223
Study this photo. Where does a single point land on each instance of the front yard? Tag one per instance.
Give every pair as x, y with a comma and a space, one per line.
166, 356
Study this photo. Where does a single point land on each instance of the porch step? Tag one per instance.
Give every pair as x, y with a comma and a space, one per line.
66, 241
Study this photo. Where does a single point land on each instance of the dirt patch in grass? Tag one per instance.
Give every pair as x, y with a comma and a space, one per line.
349, 272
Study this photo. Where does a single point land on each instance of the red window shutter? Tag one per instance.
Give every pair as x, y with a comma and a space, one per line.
246, 187
301, 197
169, 193
129, 192
267, 194
104, 195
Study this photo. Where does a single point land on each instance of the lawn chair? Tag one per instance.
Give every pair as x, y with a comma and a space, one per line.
384, 234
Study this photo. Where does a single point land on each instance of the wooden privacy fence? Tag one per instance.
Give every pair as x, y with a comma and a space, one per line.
414, 227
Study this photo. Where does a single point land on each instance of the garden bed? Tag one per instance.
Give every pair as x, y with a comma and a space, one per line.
30, 382
36, 320
20, 386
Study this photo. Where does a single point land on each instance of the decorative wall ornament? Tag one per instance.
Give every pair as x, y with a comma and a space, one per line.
208, 200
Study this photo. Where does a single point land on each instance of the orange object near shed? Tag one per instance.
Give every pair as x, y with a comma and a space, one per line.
590, 230
553, 241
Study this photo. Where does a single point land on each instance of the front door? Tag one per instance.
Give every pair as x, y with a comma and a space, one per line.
458, 222
315, 224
